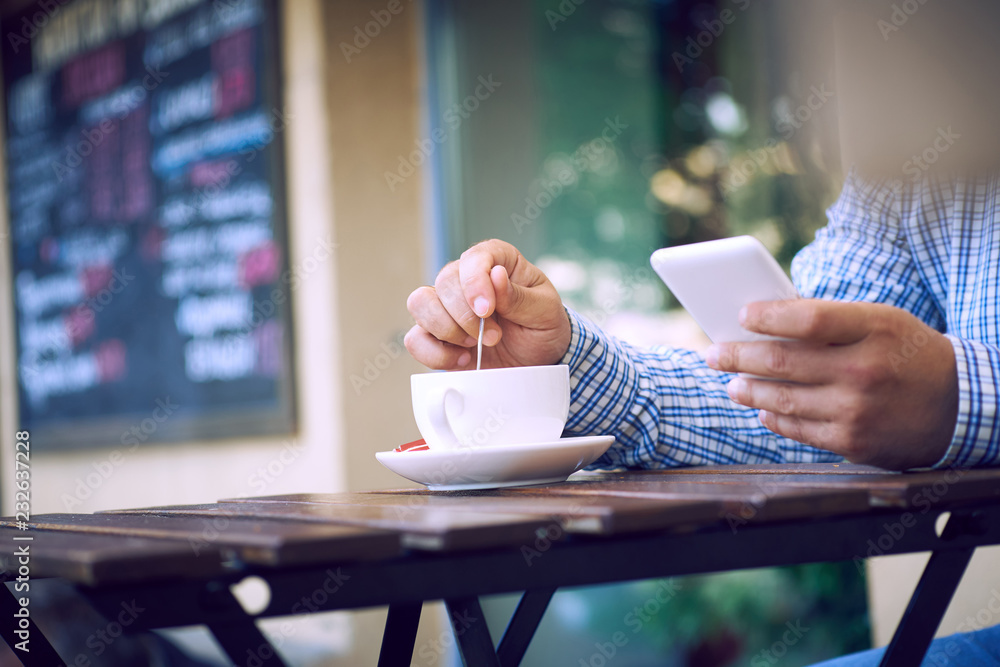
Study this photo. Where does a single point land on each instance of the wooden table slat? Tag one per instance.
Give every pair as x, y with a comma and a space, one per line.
583, 515
740, 503
428, 529
107, 559
842, 468
919, 490
265, 542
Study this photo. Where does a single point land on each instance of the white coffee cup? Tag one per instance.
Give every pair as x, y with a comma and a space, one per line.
486, 408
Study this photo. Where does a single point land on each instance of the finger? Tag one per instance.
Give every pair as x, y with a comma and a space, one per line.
434, 353
474, 269
810, 319
431, 315
792, 361
819, 434
452, 298
811, 402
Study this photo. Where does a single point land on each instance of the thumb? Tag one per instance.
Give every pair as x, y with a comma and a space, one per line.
475, 268
524, 305
509, 296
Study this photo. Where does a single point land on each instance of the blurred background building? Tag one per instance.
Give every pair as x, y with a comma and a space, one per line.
215, 210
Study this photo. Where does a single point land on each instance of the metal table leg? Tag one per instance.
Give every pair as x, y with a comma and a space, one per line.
469, 624
41, 653
522, 626
243, 641
400, 634
926, 608
239, 635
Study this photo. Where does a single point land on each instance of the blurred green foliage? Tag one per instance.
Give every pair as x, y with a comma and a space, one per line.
793, 615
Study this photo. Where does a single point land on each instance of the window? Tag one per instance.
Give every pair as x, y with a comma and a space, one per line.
616, 127
589, 134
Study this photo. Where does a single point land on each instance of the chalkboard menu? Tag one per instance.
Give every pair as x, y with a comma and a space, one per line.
144, 181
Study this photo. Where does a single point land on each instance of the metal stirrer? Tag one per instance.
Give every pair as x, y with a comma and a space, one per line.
479, 347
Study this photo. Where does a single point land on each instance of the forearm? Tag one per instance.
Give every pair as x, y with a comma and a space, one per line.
665, 407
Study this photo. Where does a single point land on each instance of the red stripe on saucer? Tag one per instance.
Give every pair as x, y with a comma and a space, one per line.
415, 446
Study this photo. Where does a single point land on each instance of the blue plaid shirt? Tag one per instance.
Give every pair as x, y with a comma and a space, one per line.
931, 248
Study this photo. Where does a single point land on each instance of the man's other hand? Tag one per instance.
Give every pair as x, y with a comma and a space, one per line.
527, 324
867, 381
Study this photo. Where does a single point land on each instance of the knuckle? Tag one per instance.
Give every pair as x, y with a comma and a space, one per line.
883, 318
854, 413
410, 339
824, 437
790, 427
729, 356
766, 314
868, 375
776, 359
416, 299
757, 315
466, 324
813, 322
445, 278
861, 375
797, 429
489, 246
493, 244
468, 280
784, 403
820, 436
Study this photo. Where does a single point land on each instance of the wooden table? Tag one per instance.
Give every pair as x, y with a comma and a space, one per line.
321, 552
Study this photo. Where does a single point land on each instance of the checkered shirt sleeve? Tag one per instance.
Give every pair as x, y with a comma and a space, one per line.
666, 407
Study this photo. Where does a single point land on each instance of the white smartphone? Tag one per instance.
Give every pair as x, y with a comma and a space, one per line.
715, 279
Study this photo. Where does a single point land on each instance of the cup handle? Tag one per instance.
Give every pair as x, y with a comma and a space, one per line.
438, 418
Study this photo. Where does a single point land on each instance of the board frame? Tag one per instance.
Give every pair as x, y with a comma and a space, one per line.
220, 424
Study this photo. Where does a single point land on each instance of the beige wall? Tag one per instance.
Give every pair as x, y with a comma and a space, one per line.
375, 117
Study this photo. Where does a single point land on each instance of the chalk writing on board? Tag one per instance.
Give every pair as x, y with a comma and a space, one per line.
144, 181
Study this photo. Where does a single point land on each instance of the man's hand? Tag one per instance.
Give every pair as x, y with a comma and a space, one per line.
868, 381
527, 324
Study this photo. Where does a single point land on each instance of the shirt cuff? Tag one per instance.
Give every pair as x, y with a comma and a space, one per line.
603, 385
975, 440
582, 340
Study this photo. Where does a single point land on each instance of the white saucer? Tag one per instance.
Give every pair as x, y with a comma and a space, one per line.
495, 467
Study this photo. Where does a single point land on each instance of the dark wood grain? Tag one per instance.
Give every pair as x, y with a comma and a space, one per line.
843, 468
593, 515
107, 559
428, 528
740, 503
937, 489
252, 540
190, 541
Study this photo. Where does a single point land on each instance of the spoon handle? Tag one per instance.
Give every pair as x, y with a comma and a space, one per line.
479, 346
